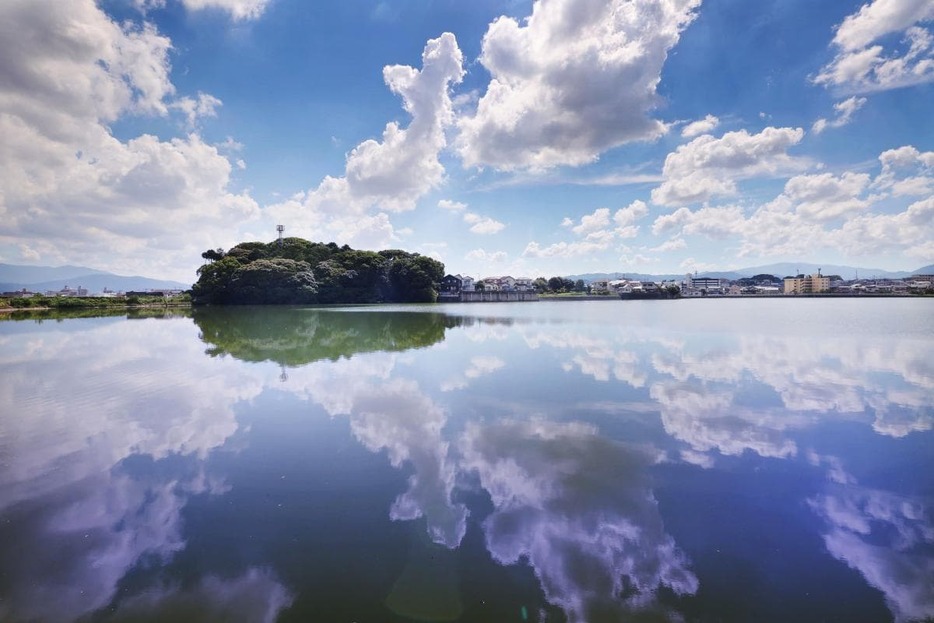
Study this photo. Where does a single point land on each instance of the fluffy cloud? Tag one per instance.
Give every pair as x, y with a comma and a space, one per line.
483, 255
579, 509
392, 174
717, 222
887, 538
906, 171
572, 81
854, 213
196, 418
394, 416
564, 249
92, 534
825, 196
625, 218
845, 111
697, 386
483, 224
709, 167
480, 365
862, 64
453, 206
673, 244
205, 105
701, 126
95, 520
397, 418
709, 421
908, 232
238, 9
596, 230
72, 187
479, 224
590, 223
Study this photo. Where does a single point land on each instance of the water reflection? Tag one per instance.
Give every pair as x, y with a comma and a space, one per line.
297, 336
254, 596
702, 386
579, 508
398, 419
85, 399
887, 537
538, 441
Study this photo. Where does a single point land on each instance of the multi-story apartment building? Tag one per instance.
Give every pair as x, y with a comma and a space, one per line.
807, 284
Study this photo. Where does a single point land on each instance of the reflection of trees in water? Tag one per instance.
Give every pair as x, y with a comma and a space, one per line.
294, 336
97, 312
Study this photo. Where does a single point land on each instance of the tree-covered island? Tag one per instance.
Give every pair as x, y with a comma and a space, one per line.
303, 272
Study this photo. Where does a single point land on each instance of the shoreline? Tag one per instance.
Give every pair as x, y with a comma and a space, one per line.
541, 297
7, 310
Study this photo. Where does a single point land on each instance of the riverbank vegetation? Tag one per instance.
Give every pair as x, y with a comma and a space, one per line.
301, 272
93, 302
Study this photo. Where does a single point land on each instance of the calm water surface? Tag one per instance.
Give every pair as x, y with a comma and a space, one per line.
732, 460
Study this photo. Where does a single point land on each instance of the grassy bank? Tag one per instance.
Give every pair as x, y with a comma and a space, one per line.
92, 302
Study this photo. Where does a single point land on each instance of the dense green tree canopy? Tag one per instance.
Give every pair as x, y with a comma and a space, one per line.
299, 271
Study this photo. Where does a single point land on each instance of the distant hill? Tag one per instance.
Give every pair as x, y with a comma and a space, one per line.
589, 277
11, 273
783, 269
43, 278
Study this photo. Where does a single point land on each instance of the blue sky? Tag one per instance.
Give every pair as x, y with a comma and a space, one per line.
501, 137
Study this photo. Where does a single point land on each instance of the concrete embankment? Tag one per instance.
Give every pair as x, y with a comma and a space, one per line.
488, 297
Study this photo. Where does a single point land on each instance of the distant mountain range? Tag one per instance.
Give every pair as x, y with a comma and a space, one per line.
779, 270
43, 278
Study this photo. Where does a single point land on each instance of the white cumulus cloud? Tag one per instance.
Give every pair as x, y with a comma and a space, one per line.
73, 188
709, 167
572, 81
701, 126
392, 174
862, 64
486, 256
597, 231
483, 224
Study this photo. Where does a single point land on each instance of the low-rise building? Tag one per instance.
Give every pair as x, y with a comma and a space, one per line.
704, 285
451, 284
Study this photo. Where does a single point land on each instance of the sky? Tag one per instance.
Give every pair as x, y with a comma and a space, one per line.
530, 138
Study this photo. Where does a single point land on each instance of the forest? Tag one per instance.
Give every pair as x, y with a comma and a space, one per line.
296, 271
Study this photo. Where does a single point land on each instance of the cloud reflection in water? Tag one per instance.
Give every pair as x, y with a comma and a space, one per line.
888, 538
90, 399
578, 507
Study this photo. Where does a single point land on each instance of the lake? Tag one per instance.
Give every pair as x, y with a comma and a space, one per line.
693, 460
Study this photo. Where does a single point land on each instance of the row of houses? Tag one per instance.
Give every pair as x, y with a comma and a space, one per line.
455, 284
766, 285
809, 285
